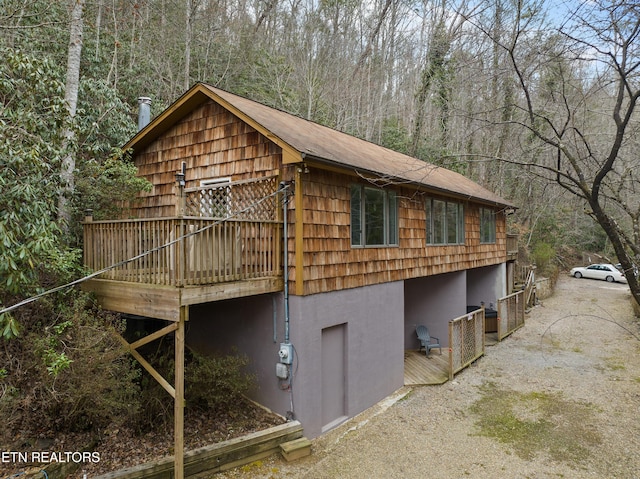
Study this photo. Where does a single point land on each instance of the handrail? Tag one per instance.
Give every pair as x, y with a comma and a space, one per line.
184, 251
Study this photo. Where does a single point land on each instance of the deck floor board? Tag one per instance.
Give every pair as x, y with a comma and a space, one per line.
422, 370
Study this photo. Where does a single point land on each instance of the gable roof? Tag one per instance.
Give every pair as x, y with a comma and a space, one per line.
303, 140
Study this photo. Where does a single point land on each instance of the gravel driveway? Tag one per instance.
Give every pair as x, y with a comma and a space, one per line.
557, 399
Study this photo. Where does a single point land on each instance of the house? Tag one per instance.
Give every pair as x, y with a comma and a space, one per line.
377, 243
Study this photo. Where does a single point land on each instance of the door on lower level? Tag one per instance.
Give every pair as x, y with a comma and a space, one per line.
333, 376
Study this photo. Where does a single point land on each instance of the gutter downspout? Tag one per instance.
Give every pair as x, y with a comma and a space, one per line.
286, 351
285, 203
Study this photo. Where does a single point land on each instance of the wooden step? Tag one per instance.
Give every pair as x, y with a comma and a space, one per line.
295, 449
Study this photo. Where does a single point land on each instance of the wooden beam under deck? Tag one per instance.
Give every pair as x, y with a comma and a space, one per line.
164, 302
152, 301
237, 289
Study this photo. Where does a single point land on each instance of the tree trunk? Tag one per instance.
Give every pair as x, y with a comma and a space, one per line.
187, 46
71, 99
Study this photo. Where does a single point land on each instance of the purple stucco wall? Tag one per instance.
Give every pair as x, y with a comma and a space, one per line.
487, 284
374, 347
247, 326
433, 301
377, 323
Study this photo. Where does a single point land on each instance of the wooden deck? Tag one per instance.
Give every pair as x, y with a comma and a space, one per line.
154, 266
420, 370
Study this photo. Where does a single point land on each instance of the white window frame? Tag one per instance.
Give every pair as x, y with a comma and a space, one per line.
206, 207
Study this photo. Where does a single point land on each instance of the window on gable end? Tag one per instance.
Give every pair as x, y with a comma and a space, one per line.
215, 197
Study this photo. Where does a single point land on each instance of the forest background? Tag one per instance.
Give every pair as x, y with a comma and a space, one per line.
534, 100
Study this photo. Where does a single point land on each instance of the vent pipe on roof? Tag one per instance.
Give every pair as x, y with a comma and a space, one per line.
144, 111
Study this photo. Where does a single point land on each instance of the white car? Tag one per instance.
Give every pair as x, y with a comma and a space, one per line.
608, 272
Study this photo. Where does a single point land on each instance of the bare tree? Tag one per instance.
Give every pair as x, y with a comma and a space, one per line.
578, 91
188, 33
444, 25
71, 99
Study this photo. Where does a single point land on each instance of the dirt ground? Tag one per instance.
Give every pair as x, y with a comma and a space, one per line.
557, 399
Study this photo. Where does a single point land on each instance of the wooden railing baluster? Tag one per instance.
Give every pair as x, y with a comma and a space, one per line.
232, 250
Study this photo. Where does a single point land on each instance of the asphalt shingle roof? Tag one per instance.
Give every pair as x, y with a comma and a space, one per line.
323, 144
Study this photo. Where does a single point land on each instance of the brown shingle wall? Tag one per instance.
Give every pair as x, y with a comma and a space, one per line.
330, 263
213, 143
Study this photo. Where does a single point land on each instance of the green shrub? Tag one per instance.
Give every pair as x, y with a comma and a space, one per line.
543, 256
212, 383
216, 382
67, 371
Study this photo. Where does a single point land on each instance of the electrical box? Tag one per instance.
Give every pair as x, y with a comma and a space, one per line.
286, 353
282, 371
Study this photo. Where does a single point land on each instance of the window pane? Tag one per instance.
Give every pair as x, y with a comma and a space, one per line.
487, 226
356, 215
392, 218
452, 223
438, 221
492, 231
374, 216
483, 225
429, 221
460, 223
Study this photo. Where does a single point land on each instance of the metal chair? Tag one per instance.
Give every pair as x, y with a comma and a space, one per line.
426, 340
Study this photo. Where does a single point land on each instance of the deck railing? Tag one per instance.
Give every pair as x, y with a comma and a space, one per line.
466, 340
224, 232
252, 199
183, 251
512, 244
510, 314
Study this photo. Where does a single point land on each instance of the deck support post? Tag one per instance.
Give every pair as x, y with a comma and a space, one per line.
179, 395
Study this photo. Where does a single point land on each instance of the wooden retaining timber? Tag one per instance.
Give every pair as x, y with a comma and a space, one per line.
217, 457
